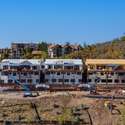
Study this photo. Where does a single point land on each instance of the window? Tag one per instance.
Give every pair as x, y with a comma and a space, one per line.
109, 80
29, 80
51, 72
76, 67
80, 80
58, 73
10, 81
68, 67
103, 80
42, 66
1, 81
5, 67
27, 67
78, 73
46, 80
49, 66
4, 73
14, 74
60, 80
97, 80
72, 80
121, 73
34, 67
112, 73
53, 80
123, 80
89, 80
58, 67
66, 80
47, 73
68, 73
90, 73
37, 80
36, 73
25, 74
23, 80
116, 80
102, 73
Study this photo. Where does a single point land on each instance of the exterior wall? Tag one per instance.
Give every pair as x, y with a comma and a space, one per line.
113, 78
23, 77
17, 71
59, 72
60, 50
17, 49
63, 78
106, 71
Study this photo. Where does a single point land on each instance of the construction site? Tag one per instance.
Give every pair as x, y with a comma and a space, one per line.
105, 106
40, 93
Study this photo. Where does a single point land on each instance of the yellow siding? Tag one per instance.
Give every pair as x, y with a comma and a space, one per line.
105, 61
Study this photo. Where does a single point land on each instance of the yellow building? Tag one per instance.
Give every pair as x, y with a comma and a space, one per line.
106, 71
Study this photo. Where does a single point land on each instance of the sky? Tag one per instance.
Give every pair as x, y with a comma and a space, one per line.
61, 21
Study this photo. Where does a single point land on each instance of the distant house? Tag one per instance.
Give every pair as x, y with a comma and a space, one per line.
55, 51
61, 50
67, 49
17, 49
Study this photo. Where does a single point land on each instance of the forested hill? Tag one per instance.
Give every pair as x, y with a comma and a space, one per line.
114, 49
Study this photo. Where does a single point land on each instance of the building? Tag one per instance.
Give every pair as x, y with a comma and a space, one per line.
26, 71
61, 50
105, 71
17, 49
36, 71
63, 71
55, 51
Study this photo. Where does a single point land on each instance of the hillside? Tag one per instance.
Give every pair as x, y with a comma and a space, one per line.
111, 50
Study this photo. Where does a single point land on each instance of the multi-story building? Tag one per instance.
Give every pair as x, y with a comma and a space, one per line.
63, 71
61, 50
17, 49
35, 71
106, 71
26, 71
55, 51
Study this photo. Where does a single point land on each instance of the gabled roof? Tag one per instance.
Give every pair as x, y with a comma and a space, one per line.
54, 46
21, 61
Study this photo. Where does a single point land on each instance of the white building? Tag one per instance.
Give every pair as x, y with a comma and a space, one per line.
63, 71
35, 71
24, 70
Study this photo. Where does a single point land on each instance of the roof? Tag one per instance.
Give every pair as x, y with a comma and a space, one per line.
64, 61
22, 61
54, 46
105, 61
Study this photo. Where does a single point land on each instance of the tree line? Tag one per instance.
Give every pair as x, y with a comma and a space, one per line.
114, 49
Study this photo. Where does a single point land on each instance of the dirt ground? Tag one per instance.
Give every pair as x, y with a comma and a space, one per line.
55, 106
